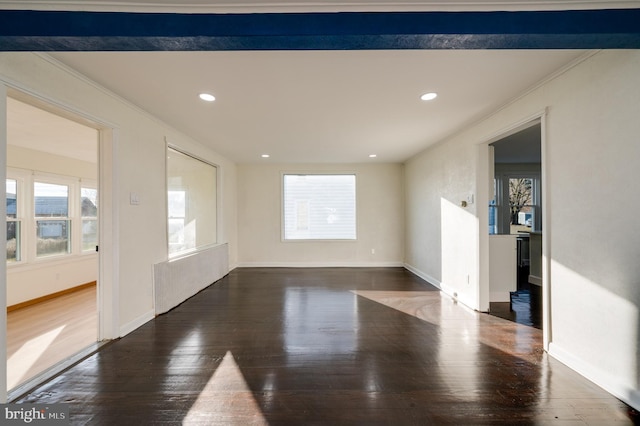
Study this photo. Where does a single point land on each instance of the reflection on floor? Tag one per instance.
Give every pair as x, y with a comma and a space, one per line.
325, 346
41, 335
523, 309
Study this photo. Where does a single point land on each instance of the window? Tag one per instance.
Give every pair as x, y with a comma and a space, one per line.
53, 226
191, 203
48, 216
319, 207
13, 222
515, 206
521, 208
89, 213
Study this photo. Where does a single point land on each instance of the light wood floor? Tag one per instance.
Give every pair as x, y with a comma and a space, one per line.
41, 335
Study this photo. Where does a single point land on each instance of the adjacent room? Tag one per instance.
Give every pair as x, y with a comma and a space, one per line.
52, 239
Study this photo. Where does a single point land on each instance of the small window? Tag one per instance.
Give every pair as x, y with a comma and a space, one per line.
89, 212
521, 207
319, 207
53, 226
13, 222
515, 205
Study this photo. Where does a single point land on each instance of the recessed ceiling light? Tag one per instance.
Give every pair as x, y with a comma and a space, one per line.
429, 96
372, 155
265, 156
207, 97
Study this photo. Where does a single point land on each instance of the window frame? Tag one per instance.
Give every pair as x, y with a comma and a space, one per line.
283, 175
26, 180
188, 210
502, 203
88, 184
22, 205
69, 218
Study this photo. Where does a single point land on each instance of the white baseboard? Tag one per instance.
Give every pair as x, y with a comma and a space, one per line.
392, 264
428, 278
138, 322
449, 291
611, 384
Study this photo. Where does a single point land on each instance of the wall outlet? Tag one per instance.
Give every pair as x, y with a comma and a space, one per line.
373, 251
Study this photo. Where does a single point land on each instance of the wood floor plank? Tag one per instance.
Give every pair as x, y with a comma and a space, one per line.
41, 335
372, 346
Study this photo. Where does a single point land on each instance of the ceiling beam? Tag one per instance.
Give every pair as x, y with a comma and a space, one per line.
22, 30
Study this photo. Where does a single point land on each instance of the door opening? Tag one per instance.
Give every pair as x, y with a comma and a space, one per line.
515, 227
52, 238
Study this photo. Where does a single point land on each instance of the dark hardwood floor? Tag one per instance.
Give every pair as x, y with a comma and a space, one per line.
525, 308
370, 346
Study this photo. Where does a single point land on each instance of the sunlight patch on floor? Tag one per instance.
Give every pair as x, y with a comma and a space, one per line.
24, 358
226, 399
457, 323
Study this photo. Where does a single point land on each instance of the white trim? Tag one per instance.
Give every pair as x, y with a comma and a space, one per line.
545, 186
137, 322
484, 189
3, 243
428, 278
326, 264
608, 382
443, 287
533, 279
20, 92
108, 223
53, 371
314, 6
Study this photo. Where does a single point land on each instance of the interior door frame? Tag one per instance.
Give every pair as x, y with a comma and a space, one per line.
107, 282
484, 187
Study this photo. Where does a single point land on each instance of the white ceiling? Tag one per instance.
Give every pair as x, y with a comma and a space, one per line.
319, 106
36, 129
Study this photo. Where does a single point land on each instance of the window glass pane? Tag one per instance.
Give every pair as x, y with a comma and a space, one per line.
89, 202
13, 226
13, 241
52, 237
177, 203
89, 234
520, 203
493, 209
191, 203
12, 199
320, 207
89, 211
51, 200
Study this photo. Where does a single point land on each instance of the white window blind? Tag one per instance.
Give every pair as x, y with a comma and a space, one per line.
319, 207
191, 203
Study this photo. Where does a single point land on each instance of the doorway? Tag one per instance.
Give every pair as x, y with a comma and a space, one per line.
52, 237
515, 226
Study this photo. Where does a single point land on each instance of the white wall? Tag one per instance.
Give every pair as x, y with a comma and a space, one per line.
380, 220
139, 166
441, 234
592, 162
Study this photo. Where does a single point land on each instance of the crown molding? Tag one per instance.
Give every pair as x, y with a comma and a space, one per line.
222, 6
